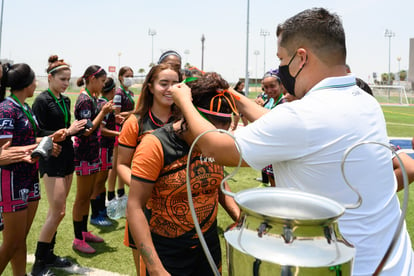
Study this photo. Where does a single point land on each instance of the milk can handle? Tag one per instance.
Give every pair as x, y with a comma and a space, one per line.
405, 202
190, 195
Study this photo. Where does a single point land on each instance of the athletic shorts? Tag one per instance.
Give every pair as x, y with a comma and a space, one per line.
59, 166
16, 192
106, 158
86, 167
268, 170
186, 256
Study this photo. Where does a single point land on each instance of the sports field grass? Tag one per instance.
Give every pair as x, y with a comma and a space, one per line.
114, 256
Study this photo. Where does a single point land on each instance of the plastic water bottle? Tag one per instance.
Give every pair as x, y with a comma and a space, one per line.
123, 200
116, 207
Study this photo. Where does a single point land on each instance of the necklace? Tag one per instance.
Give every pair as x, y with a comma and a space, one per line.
27, 112
152, 119
64, 110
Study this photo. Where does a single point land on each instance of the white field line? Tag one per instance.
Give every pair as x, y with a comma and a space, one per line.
400, 124
76, 269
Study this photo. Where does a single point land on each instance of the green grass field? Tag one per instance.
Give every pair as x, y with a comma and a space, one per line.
114, 256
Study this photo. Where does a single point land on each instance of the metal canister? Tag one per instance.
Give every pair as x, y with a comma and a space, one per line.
287, 232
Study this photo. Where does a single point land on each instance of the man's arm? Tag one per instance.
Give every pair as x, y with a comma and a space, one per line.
251, 110
220, 146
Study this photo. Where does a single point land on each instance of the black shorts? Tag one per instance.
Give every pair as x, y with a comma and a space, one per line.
60, 166
183, 256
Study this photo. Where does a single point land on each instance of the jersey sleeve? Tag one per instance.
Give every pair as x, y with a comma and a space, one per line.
148, 160
39, 108
6, 123
83, 109
129, 133
117, 99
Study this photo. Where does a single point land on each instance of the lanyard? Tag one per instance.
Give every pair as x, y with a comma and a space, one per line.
27, 112
278, 100
92, 98
105, 98
128, 95
64, 110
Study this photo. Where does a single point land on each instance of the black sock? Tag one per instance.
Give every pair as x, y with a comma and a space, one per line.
120, 192
111, 195
85, 223
77, 226
42, 250
51, 256
95, 207
101, 203
265, 178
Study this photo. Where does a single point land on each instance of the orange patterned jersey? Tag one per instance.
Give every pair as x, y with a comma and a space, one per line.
161, 160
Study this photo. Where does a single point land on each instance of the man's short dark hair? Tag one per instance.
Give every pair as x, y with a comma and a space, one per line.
318, 30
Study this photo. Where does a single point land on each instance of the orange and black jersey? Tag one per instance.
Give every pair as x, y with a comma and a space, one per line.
161, 160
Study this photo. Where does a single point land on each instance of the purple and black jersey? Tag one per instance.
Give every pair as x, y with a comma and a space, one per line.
124, 101
86, 147
109, 122
15, 125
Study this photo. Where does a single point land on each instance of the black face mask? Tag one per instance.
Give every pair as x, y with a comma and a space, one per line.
287, 80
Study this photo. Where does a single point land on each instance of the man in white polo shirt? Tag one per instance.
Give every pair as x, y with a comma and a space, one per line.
305, 140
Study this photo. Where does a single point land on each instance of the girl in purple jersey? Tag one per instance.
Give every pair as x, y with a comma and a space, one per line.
107, 136
15, 154
20, 193
124, 106
52, 110
87, 159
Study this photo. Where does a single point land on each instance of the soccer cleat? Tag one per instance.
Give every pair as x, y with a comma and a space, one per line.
40, 269
89, 237
82, 246
100, 220
58, 261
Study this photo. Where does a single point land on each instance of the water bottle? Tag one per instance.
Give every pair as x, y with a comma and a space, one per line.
116, 207
123, 200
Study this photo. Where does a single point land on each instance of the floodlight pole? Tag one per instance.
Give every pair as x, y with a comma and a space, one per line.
264, 33
203, 39
1, 24
152, 33
256, 53
389, 34
246, 80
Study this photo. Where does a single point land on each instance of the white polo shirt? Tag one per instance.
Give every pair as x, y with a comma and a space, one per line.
305, 140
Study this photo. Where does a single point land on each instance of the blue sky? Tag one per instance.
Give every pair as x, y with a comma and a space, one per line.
108, 32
